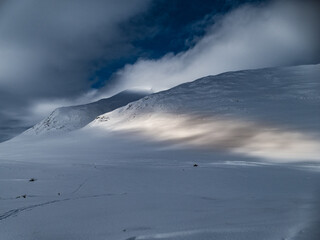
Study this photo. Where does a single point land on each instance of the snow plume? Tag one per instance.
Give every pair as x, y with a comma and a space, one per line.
253, 36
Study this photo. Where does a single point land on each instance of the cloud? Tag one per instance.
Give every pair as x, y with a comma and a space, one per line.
50, 45
253, 36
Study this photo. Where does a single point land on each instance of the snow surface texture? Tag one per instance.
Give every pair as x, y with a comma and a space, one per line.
266, 113
68, 119
144, 171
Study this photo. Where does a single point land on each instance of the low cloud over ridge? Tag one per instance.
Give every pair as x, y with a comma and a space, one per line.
252, 36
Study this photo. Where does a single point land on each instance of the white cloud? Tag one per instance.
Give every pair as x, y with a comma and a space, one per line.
278, 34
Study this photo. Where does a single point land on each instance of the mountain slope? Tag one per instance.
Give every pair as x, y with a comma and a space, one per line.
131, 186
269, 113
67, 119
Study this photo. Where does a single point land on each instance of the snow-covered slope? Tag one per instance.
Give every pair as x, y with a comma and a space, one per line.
67, 119
97, 183
269, 113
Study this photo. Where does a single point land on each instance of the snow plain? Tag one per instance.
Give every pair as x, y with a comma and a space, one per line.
130, 173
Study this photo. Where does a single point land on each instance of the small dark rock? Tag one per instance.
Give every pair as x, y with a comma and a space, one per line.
59, 194
124, 230
24, 196
195, 165
32, 179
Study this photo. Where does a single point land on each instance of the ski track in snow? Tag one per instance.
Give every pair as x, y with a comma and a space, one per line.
16, 211
80, 186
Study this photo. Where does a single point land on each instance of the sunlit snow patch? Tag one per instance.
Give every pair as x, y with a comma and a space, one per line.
237, 136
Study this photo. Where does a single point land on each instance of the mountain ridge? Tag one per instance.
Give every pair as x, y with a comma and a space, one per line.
66, 119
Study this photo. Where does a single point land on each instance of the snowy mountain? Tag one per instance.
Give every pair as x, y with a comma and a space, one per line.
223, 157
66, 119
269, 113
